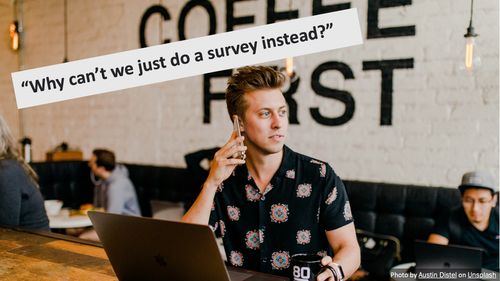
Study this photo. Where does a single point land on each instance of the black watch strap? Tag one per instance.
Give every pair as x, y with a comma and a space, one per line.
342, 275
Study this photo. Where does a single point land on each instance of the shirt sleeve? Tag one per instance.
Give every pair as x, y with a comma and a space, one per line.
336, 210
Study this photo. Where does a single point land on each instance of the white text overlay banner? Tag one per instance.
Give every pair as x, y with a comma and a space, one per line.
181, 59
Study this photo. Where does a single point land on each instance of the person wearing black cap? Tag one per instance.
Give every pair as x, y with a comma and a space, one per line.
475, 223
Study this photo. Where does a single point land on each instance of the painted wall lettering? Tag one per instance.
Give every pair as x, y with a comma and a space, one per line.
209, 96
342, 96
319, 8
387, 69
373, 29
386, 66
156, 9
189, 6
231, 20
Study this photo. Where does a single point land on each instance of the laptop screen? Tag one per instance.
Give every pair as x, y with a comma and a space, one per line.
446, 261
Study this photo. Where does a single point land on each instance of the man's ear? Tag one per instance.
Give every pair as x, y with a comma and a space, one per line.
100, 170
242, 127
494, 201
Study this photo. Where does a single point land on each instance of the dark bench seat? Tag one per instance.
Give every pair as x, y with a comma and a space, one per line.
407, 212
404, 211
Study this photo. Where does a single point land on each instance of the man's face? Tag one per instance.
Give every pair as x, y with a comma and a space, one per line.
93, 166
477, 203
265, 120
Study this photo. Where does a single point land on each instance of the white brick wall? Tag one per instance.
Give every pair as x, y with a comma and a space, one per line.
445, 122
8, 63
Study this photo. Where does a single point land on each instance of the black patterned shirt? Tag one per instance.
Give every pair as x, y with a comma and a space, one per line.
261, 231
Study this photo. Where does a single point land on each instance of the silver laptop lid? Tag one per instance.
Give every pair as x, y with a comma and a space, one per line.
147, 249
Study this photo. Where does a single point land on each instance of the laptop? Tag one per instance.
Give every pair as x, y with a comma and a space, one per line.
447, 258
148, 249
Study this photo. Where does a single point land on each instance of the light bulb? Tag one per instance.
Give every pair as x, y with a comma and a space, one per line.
472, 59
289, 67
14, 36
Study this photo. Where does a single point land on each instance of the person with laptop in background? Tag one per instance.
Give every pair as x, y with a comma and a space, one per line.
113, 190
475, 223
273, 202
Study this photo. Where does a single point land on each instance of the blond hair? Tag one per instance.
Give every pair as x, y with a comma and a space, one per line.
248, 79
9, 150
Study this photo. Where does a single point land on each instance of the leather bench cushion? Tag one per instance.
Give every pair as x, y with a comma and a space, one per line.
68, 181
404, 211
160, 183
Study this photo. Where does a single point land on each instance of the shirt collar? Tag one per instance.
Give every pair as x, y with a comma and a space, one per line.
287, 163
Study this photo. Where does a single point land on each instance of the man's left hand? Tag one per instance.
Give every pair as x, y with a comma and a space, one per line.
326, 273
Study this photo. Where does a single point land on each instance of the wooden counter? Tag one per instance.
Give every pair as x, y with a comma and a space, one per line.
47, 256
44, 256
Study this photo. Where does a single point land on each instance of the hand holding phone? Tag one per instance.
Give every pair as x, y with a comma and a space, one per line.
236, 128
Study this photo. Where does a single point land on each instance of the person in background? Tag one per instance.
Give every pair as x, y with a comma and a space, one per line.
21, 203
475, 223
277, 202
113, 190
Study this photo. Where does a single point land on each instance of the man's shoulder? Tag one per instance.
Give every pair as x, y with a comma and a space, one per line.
12, 170
303, 158
121, 181
10, 165
308, 161
120, 176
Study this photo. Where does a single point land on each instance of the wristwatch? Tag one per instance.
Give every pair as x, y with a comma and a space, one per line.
340, 271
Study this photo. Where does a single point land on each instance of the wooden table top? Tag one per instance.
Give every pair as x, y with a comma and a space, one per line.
44, 256
48, 256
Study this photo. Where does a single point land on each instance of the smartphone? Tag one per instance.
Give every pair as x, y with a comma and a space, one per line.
236, 125
236, 128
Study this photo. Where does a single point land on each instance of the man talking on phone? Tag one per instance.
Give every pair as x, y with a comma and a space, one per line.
274, 202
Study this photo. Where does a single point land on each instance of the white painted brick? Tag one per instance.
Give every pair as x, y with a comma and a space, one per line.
450, 82
484, 112
488, 158
418, 96
445, 122
449, 97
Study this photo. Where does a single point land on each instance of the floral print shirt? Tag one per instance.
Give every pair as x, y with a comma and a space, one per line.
261, 231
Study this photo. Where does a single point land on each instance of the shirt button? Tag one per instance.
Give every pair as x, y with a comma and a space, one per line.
263, 198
